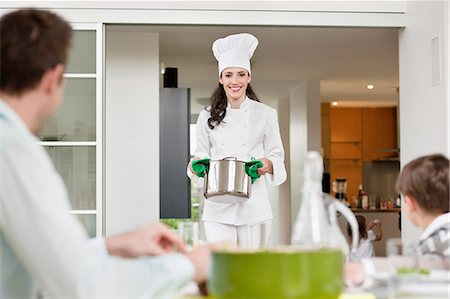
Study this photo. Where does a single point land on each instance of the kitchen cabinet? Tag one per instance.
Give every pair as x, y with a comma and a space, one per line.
73, 135
357, 135
326, 130
379, 133
346, 147
346, 124
346, 150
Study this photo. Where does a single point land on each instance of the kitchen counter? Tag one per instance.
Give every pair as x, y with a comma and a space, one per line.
390, 225
395, 210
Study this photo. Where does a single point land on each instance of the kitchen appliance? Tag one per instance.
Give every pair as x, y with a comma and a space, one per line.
227, 177
340, 189
174, 187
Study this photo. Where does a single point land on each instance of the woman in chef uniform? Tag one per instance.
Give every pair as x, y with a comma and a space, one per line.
238, 125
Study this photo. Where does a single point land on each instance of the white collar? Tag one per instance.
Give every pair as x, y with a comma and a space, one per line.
435, 224
244, 103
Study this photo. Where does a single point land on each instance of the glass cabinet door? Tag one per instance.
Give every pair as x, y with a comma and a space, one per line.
75, 119
72, 136
76, 165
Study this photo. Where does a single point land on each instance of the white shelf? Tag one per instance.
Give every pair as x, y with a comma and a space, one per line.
68, 143
83, 212
80, 76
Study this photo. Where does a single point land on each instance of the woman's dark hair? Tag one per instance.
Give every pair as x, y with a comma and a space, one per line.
361, 227
32, 42
219, 104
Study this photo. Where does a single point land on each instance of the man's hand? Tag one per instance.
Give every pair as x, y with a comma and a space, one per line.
154, 239
200, 257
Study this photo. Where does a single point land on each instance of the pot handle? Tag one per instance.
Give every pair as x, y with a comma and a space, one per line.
230, 158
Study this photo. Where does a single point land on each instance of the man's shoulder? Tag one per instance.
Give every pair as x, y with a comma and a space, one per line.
18, 146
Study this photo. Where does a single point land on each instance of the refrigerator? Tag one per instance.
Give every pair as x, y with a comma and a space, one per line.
174, 115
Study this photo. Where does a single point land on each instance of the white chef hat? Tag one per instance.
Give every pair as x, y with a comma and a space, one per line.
235, 51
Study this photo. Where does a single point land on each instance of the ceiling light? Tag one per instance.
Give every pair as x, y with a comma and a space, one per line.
334, 103
370, 86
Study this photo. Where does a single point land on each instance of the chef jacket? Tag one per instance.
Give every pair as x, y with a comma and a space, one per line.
251, 131
44, 249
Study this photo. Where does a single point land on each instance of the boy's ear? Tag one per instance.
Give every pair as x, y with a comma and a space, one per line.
411, 203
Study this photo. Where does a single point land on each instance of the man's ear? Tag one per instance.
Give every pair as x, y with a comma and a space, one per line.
52, 78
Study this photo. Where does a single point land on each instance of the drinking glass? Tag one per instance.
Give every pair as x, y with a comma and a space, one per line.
189, 233
402, 263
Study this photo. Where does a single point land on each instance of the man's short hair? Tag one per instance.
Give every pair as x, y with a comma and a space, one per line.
32, 42
427, 180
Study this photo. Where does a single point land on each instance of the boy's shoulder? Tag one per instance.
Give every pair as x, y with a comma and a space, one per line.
436, 238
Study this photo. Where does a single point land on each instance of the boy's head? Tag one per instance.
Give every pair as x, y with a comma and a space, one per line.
426, 181
32, 42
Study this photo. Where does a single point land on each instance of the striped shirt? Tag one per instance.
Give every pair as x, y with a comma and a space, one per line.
435, 239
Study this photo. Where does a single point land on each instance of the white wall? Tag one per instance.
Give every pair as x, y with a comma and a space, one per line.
298, 146
305, 132
284, 198
424, 112
131, 128
283, 13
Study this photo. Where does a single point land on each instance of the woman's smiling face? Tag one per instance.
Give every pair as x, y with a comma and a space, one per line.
235, 81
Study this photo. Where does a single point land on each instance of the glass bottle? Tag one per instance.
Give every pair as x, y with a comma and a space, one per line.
359, 196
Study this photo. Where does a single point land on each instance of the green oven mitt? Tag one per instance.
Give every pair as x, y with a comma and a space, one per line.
200, 167
251, 169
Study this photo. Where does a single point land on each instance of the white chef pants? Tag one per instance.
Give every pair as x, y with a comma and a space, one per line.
251, 236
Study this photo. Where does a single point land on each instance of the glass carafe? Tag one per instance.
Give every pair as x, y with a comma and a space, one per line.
316, 223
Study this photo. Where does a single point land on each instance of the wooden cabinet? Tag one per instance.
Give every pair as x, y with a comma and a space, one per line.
326, 133
346, 124
346, 150
357, 135
346, 146
379, 132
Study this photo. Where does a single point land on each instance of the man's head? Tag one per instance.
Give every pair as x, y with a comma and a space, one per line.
32, 42
425, 180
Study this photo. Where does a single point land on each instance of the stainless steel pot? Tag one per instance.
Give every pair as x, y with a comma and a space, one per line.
227, 177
